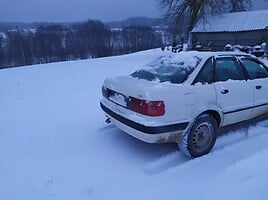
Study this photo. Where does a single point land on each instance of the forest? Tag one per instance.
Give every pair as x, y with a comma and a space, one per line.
57, 42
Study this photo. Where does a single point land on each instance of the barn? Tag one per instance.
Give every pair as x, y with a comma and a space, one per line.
240, 28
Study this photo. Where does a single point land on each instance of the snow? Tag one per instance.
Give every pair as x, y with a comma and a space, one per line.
119, 99
265, 61
180, 64
238, 21
181, 60
3, 35
54, 143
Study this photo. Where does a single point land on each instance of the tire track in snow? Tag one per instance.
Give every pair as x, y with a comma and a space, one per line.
253, 166
165, 162
176, 159
225, 156
225, 144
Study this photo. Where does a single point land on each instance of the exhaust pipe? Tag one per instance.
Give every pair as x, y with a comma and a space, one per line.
108, 120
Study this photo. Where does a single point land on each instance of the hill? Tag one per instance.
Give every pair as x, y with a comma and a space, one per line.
136, 21
141, 21
54, 143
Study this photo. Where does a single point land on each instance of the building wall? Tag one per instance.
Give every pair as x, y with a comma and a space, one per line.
219, 39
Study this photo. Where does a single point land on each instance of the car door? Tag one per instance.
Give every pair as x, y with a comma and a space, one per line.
235, 95
258, 77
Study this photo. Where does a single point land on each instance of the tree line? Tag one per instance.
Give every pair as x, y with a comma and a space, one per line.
90, 39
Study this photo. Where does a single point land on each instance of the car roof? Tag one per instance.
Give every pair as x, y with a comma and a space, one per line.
207, 54
218, 53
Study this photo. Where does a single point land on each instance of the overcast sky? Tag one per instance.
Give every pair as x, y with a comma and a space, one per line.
80, 10
75, 10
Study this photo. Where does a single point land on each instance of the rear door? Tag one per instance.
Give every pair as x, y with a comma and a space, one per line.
235, 95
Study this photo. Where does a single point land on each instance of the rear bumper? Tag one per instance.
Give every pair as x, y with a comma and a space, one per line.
150, 134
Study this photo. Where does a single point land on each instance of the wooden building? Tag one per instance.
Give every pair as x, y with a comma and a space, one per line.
241, 28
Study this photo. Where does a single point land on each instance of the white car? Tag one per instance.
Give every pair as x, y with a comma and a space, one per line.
186, 97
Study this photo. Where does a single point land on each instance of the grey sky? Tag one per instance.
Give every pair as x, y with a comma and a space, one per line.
75, 10
79, 10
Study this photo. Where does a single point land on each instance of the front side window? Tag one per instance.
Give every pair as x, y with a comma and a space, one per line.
228, 69
254, 69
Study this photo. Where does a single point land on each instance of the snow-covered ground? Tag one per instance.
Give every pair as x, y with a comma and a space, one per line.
54, 144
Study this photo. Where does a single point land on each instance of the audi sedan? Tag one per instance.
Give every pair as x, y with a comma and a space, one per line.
186, 97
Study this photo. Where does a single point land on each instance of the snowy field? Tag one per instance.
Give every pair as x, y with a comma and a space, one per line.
55, 145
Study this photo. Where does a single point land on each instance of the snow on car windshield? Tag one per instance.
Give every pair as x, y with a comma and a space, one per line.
172, 68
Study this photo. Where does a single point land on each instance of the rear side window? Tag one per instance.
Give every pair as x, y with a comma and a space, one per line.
206, 73
228, 69
254, 69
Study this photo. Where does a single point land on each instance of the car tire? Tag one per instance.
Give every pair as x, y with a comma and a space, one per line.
200, 137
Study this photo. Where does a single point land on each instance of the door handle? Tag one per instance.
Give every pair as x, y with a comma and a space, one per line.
258, 87
225, 91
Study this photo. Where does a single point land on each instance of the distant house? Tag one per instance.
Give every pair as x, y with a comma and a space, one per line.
241, 28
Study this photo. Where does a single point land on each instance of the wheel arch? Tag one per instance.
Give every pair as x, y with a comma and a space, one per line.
214, 114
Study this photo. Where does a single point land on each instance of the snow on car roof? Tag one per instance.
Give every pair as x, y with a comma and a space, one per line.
175, 67
187, 59
182, 59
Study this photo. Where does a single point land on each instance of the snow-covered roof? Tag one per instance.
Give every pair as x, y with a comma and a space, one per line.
3, 35
233, 22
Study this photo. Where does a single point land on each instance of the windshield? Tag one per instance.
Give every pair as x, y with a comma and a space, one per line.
173, 68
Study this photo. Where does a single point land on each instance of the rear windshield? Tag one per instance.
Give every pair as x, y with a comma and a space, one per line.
172, 68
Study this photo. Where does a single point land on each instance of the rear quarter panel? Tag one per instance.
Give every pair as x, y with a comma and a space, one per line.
185, 102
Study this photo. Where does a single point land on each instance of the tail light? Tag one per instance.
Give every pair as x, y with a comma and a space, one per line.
104, 92
150, 108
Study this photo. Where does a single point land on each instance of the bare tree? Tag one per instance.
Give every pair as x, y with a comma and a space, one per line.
239, 5
190, 11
